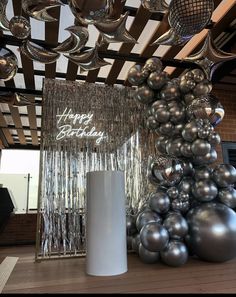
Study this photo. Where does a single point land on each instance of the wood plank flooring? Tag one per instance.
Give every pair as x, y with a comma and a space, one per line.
68, 276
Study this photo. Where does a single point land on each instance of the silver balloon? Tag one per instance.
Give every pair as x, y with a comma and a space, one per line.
37, 9
173, 147
115, 30
90, 12
186, 150
131, 225
147, 256
175, 254
159, 202
189, 17
177, 113
184, 197
204, 190
38, 53
207, 159
155, 5
176, 225
168, 171
152, 123
158, 104
172, 192
8, 64
188, 98
212, 232
77, 40
190, 130
188, 169
214, 138
167, 129
20, 27
200, 147
171, 37
157, 80
88, 60
185, 185
203, 88
145, 217
202, 172
161, 144
170, 92
144, 94
180, 206
153, 65
178, 129
4, 22
135, 243
224, 175
154, 237
186, 85
14, 99
136, 76
228, 196
198, 75
162, 115
129, 242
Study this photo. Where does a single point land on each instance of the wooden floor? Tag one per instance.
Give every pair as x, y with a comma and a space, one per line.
68, 276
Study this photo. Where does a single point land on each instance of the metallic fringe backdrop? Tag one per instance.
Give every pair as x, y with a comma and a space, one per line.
66, 157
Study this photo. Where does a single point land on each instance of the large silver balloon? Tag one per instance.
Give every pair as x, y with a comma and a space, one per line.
37, 9
189, 17
185, 185
168, 171
38, 53
204, 190
8, 64
144, 94
90, 12
115, 30
77, 40
212, 232
209, 57
200, 147
159, 202
224, 175
157, 80
136, 76
20, 27
175, 254
4, 22
228, 196
209, 158
14, 99
154, 237
155, 5
147, 256
145, 217
171, 37
202, 172
176, 225
88, 60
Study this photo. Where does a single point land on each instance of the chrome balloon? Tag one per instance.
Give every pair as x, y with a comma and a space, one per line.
224, 175
212, 232
189, 17
159, 202
175, 254
153, 64
14, 99
4, 22
135, 243
147, 256
144, 94
171, 37
145, 217
88, 60
136, 76
155, 5
154, 237
227, 196
204, 190
200, 147
157, 80
38, 53
114, 31
8, 64
77, 40
20, 27
37, 9
131, 225
176, 225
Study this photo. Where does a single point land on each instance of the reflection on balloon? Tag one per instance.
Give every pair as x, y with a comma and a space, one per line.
155, 5
20, 27
8, 64
175, 254
4, 22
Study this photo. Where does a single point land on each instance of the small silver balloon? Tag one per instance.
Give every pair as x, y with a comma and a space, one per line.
8, 64
198, 75
153, 65
144, 94
170, 92
224, 175
155, 5
214, 138
173, 147
162, 115
157, 80
20, 27
227, 196
186, 85
202, 173
159, 202
154, 237
185, 185
152, 123
181, 206
161, 144
147, 256
188, 169
145, 217
207, 159
176, 225
212, 232
175, 254
200, 147
136, 76
189, 132
204, 190
172, 192
186, 150
167, 128
203, 88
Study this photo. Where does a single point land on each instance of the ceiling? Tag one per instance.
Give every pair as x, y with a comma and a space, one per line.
20, 127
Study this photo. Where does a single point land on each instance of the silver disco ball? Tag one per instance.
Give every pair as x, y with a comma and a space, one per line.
188, 17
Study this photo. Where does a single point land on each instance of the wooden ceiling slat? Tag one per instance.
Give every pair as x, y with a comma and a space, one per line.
3, 125
17, 122
1, 145
32, 121
136, 29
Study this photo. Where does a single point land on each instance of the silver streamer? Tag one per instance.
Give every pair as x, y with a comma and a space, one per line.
66, 161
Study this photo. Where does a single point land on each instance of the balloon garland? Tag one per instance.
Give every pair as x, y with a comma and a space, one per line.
190, 210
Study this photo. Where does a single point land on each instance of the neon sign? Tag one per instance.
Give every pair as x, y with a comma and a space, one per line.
77, 125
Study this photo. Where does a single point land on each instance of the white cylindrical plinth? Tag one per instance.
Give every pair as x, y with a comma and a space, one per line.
106, 251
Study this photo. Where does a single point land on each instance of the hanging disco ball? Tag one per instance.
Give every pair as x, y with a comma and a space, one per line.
188, 17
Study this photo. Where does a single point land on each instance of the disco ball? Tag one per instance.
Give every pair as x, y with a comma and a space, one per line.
188, 17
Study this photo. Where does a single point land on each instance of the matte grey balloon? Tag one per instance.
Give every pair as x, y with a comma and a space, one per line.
136, 76
144, 94
159, 202
200, 147
224, 175
172, 192
176, 225
147, 256
131, 225
204, 190
157, 80
228, 196
175, 254
154, 237
212, 232
145, 217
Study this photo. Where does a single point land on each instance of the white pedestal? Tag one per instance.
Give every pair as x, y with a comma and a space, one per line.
106, 249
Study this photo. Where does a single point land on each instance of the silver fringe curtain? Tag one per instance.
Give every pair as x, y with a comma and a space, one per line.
86, 127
